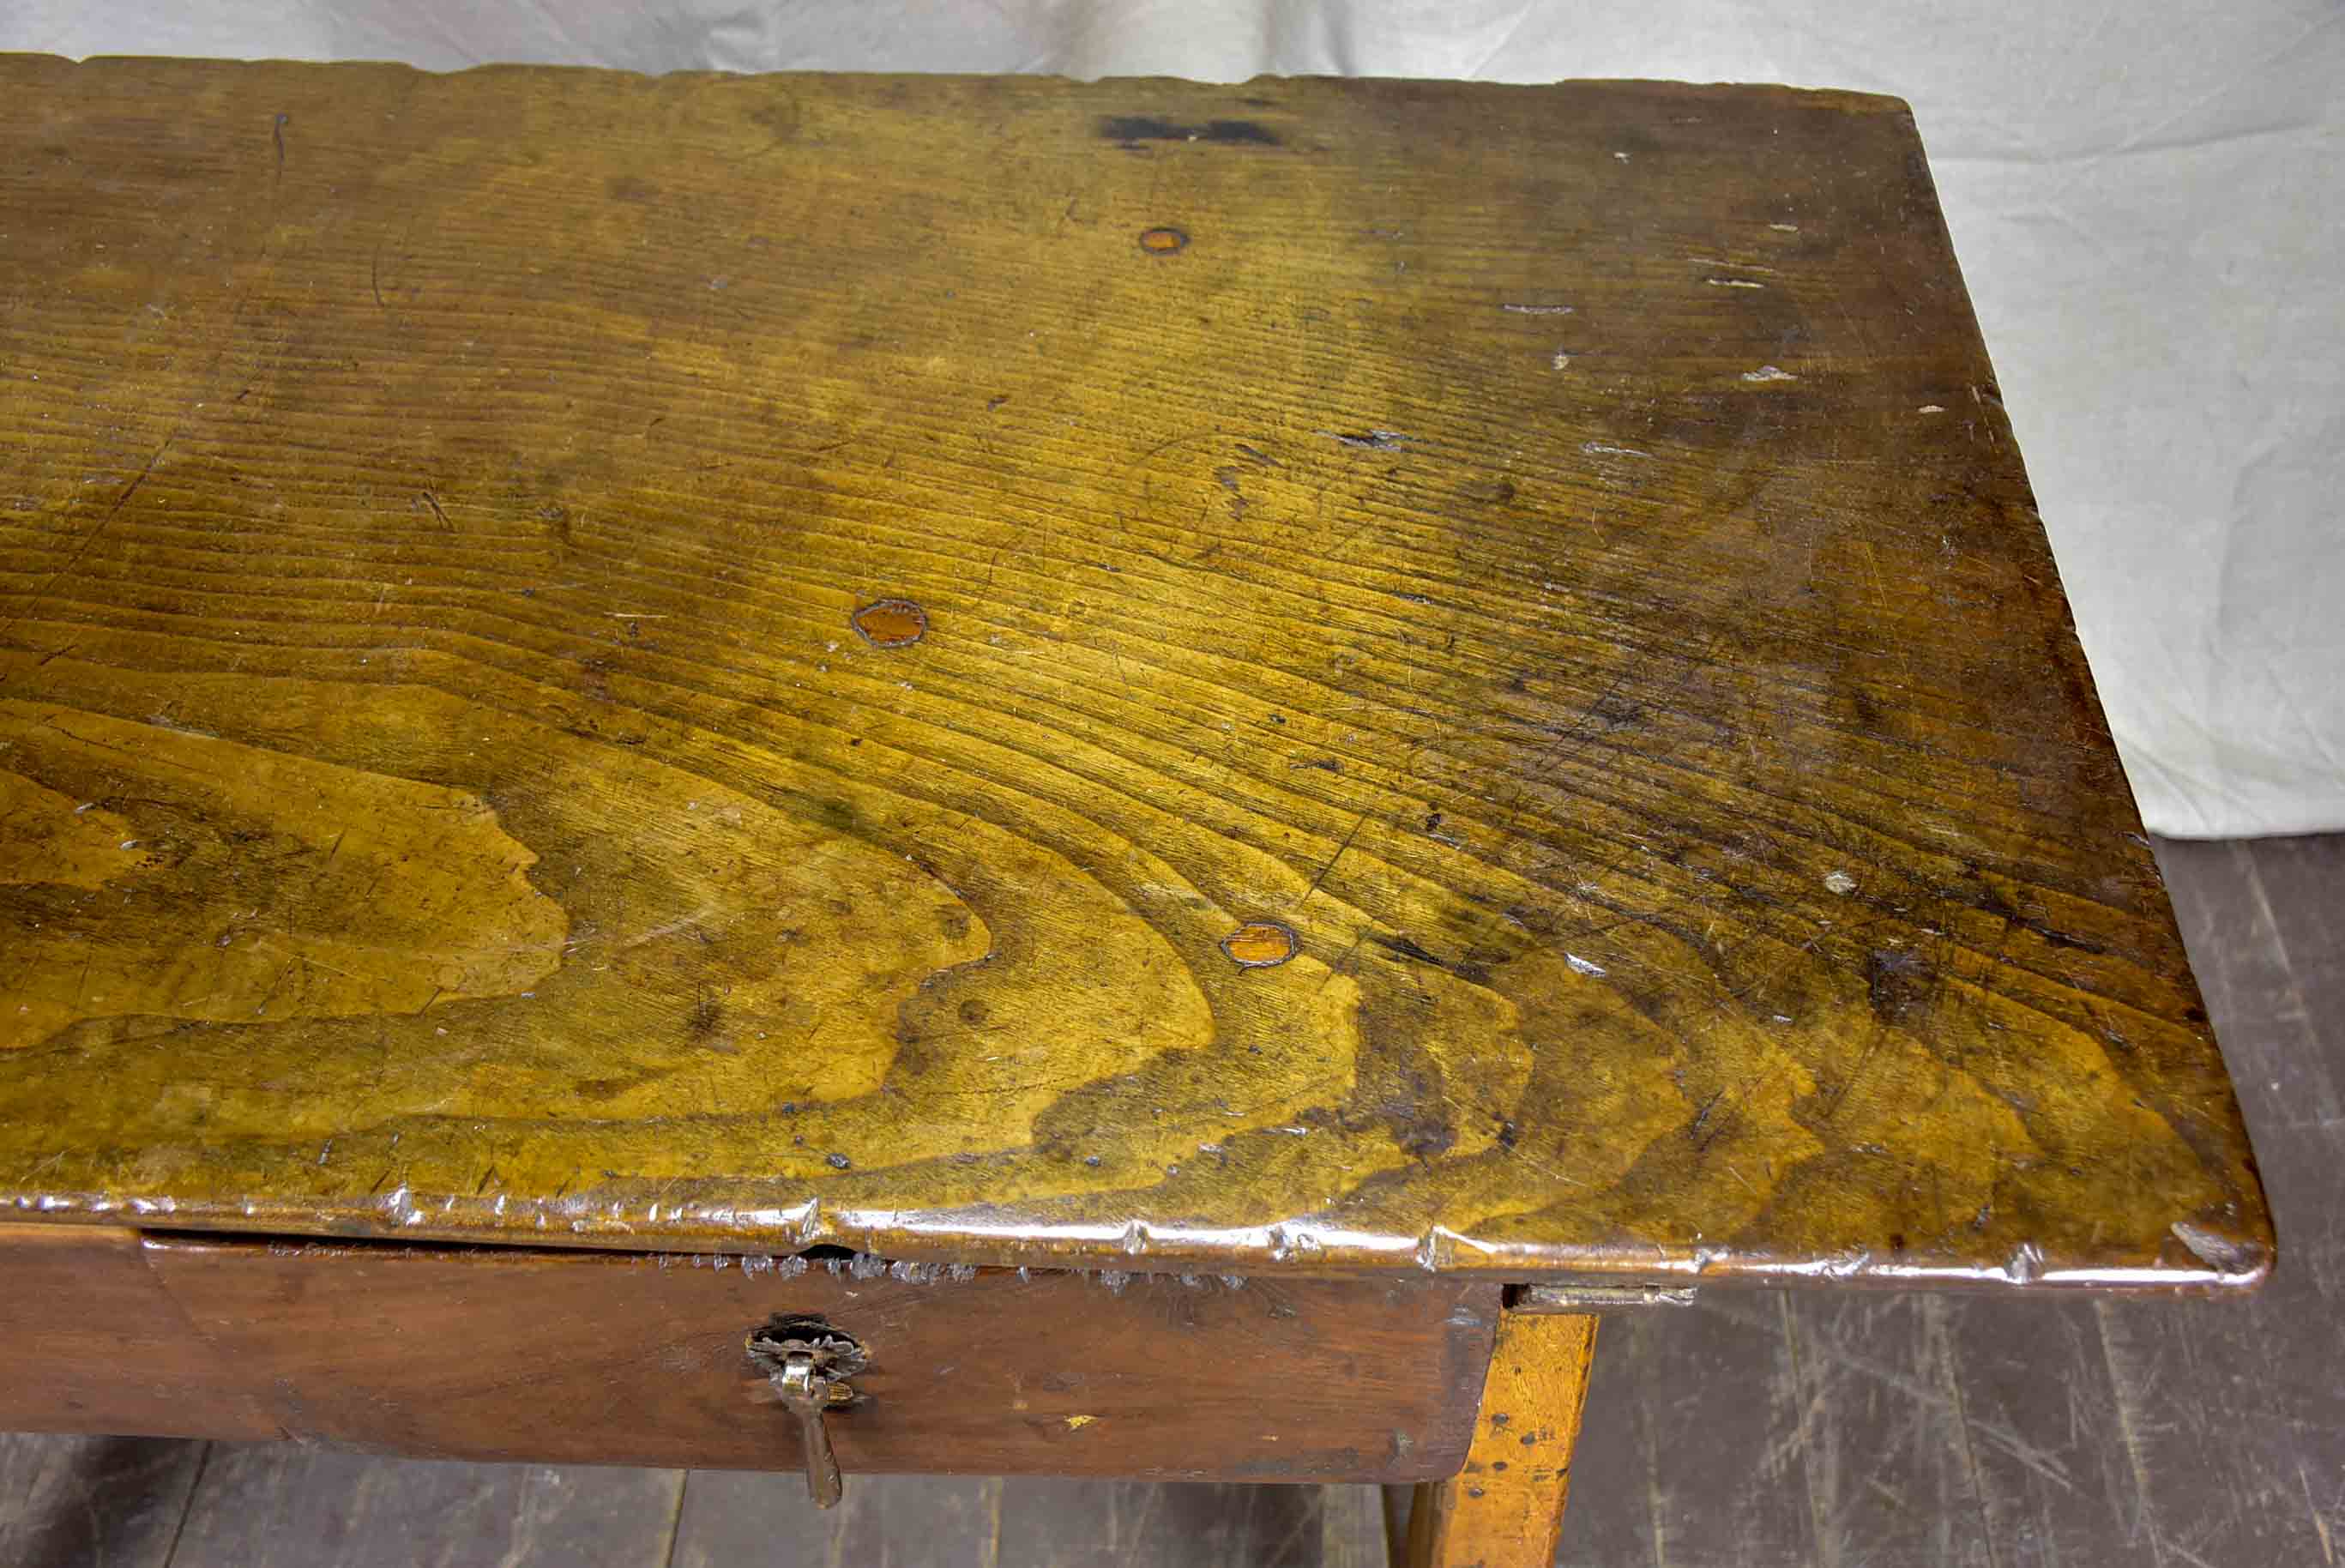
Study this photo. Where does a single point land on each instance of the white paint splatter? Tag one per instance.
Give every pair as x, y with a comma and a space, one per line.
1732, 283
1769, 373
1581, 966
1784, 228
1562, 361
1931, 408
1840, 882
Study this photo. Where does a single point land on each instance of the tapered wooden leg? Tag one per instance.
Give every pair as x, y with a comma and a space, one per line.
1504, 1509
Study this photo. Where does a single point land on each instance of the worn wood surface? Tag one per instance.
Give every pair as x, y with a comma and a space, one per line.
1905, 1431
623, 1359
1821, 1431
1449, 676
93, 1343
1505, 1508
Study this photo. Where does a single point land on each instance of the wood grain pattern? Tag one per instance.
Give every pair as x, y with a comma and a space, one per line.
597, 1358
1505, 1508
1892, 1430
1929, 1431
95, 1344
1556, 551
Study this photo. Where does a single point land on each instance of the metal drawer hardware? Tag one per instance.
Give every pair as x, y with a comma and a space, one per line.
808, 1363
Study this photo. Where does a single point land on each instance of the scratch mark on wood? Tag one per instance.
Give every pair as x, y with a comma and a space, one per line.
90, 539
1330, 866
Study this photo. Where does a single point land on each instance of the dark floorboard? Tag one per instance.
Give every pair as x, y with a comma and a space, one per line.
1094, 1523
92, 1500
277, 1505
903, 1521
1891, 1432
882, 1521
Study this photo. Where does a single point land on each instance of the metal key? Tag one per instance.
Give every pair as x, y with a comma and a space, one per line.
809, 1362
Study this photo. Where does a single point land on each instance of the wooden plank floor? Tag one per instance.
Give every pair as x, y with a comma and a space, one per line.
1891, 1432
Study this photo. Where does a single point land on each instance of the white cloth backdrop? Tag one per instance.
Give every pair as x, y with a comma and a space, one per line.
2148, 199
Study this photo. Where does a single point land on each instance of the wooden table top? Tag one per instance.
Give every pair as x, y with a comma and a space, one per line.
1313, 675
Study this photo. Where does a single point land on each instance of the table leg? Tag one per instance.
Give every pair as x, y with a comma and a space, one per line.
1504, 1509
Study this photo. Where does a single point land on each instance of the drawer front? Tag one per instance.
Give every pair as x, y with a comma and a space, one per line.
639, 1359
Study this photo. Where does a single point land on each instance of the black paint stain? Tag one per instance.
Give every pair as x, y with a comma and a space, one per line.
1405, 948
1985, 898
1133, 130
1897, 984
1425, 1138
1413, 1114
1616, 713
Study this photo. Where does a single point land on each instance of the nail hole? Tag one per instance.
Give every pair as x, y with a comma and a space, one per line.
1163, 242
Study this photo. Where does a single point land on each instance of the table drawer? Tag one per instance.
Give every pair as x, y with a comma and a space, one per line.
639, 1359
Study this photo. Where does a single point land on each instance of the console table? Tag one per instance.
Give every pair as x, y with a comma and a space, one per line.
1002, 775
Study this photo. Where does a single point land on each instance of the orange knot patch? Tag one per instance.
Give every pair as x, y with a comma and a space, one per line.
892, 623
1259, 944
